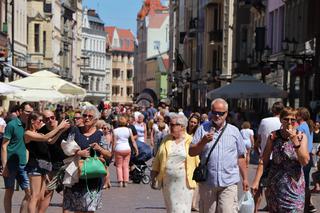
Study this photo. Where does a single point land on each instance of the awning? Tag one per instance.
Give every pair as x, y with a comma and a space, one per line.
246, 86
17, 70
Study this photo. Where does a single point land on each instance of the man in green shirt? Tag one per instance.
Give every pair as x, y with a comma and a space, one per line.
14, 158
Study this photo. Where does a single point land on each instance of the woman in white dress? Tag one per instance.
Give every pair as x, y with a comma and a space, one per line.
173, 168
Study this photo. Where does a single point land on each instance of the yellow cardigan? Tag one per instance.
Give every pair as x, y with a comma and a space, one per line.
160, 160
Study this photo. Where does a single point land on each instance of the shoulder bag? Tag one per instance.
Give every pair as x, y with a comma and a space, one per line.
200, 173
91, 167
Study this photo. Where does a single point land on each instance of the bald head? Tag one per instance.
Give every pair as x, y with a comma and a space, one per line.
50, 119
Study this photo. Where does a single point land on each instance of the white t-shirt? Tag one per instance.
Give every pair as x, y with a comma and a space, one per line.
3, 123
246, 134
121, 135
267, 126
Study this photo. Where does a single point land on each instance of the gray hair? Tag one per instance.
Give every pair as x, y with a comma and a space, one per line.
91, 109
221, 100
180, 119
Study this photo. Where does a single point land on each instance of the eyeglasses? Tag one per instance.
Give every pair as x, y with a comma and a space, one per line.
40, 120
216, 113
76, 118
50, 118
292, 120
87, 116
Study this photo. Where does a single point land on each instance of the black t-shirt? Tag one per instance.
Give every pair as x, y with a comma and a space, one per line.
38, 150
55, 150
316, 137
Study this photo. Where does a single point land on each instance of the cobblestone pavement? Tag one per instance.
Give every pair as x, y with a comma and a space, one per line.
134, 198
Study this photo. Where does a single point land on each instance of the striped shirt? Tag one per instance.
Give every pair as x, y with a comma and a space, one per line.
223, 169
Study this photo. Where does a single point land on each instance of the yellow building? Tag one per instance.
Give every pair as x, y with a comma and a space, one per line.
39, 36
122, 50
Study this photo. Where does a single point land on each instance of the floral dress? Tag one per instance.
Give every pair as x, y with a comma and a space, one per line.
286, 184
177, 196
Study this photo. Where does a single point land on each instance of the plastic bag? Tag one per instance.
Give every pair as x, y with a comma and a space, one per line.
246, 203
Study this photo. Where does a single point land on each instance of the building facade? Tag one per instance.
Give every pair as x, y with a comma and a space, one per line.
122, 43
153, 46
54, 37
17, 32
93, 69
40, 27
203, 44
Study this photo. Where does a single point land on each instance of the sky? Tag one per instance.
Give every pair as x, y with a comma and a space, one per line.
119, 13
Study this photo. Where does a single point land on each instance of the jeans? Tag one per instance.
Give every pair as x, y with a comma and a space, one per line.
17, 173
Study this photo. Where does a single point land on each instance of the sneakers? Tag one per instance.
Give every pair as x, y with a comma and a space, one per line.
312, 208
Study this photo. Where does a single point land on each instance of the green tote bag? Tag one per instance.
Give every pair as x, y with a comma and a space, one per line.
92, 167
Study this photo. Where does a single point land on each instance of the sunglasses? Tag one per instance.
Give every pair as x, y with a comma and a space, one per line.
172, 125
76, 118
216, 113
40, 120
292, 120
27, 112
87, 116
50, 118
105, 128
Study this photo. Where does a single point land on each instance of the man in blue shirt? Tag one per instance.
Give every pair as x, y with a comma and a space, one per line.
303, 118
226, 163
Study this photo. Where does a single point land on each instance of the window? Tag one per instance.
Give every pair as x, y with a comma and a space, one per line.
36, 37
121, 43
115, 73
121, 91
156, 45
98, 85
44, 42
129, 74
115, 90
129, 90
121, 75
91, 84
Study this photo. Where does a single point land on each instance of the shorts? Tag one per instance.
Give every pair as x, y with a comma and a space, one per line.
35, 171
18, 174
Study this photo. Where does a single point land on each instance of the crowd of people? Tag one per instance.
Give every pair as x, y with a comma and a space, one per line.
37, 147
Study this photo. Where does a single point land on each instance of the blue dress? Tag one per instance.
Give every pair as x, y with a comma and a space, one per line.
86, 194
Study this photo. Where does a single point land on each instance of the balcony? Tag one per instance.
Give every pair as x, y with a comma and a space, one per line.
215, 36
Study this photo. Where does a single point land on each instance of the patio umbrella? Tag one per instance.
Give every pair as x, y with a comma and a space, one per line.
244, 87
38, 95
7, 89
46, 80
